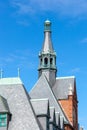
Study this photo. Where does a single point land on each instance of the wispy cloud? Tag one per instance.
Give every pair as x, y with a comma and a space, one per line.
84, 40
22, 7
19, 58
71, 8
75, 70
23, 22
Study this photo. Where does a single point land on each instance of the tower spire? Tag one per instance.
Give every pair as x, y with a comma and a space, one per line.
47, 46
47, 56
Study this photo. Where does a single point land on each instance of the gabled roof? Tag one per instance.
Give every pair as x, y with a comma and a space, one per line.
62, 85
4, 105
23, 116
42, 89
41, 107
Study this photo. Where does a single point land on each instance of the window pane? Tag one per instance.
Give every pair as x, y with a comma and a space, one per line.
3, 120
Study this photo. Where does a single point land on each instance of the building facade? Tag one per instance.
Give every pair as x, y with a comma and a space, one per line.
63, 95
50, 105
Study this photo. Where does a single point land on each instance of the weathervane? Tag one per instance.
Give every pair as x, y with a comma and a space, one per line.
1, 73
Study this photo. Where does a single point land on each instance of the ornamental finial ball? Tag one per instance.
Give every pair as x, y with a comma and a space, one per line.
47, 25
47, 22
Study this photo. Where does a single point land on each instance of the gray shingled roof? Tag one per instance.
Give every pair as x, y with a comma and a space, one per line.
23, 117
42, 89
61, 87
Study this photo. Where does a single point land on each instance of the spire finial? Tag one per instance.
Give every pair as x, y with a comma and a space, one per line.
18, 72
1, 73
47, 26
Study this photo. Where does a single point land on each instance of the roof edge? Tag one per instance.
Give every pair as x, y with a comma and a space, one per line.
66, 77
12, 80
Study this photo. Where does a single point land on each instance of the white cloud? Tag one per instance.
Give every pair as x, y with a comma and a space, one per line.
71, 8
19, 58
23, 22
22, 7
84, 40
75, 70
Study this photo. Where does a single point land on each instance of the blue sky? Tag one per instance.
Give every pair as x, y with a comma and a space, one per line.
21, 38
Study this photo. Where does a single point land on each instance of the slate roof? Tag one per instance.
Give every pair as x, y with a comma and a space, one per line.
42, 89
61, 87
23, 116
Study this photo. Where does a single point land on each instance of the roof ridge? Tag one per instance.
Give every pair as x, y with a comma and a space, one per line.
65, 77
41, 99
10, 80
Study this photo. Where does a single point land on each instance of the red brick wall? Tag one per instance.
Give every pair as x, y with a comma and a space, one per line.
69, 107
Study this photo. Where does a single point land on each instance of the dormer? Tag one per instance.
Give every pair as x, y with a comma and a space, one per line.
42, 111
52, 119
5, 115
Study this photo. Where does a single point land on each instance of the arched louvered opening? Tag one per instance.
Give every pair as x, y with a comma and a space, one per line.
51, 61
41, 61
45, 61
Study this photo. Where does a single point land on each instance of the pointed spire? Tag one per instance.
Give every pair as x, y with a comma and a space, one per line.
47, 46
47, 56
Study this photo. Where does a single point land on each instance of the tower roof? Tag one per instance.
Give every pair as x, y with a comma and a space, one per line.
47, 45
